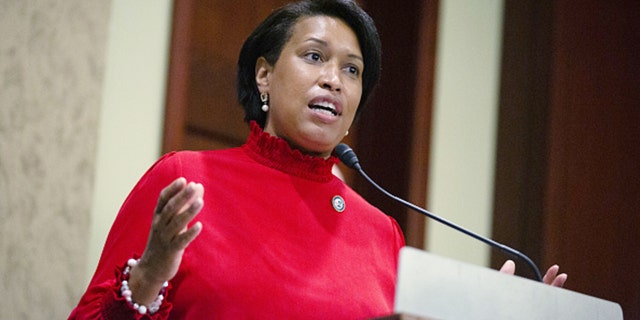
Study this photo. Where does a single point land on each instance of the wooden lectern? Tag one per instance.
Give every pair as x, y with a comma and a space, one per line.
432, 287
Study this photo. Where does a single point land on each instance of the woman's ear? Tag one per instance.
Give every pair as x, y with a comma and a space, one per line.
263, 74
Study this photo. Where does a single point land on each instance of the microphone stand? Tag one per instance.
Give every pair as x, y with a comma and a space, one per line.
351, 160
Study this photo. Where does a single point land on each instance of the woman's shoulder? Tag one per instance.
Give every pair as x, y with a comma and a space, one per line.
177, 161
200, 155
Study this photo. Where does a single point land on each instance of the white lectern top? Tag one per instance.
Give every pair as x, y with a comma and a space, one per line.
441, 288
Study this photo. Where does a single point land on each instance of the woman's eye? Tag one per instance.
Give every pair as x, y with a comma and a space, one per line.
353, 70
313, 56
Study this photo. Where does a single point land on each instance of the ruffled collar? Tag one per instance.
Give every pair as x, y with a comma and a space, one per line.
276, 153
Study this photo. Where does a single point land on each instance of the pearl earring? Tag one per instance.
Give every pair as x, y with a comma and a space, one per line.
264, 97
346, 133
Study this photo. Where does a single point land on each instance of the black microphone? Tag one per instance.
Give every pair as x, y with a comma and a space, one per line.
349, 158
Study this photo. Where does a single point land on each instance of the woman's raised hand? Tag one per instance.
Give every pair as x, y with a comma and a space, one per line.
170, 235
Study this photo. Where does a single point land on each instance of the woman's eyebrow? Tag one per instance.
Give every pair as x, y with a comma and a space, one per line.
319, 41
326, 44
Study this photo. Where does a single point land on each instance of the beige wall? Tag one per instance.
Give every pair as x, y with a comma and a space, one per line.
464, 130
130, 128
51, 74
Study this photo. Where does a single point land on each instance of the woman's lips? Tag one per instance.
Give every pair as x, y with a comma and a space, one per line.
326, 105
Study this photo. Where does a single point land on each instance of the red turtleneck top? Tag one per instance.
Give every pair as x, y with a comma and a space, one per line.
274, 244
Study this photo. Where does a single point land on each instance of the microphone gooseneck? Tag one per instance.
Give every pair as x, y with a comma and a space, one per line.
349, 158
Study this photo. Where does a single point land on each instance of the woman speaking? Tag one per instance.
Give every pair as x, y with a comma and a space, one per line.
265, 230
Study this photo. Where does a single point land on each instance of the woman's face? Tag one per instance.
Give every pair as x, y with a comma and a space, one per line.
315, 86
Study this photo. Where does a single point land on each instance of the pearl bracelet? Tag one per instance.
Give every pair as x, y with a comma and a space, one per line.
126, 292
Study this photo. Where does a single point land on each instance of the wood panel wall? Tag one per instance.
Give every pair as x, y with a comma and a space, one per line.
568, 170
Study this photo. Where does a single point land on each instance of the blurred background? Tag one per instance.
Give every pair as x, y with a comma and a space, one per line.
517, 119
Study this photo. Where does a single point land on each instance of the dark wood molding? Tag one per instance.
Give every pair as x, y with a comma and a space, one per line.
394, 132
178, 77
423, 111
523, 129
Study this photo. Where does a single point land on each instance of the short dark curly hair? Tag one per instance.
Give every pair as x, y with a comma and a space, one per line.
268, 39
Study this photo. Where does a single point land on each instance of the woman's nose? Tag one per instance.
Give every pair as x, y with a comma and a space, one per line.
330, 78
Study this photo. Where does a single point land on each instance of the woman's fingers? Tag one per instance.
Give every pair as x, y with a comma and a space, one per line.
560, 280
179, 201
168, 192
177, 225
189, 235
509, 267
177, 205
551, 274
552, 277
